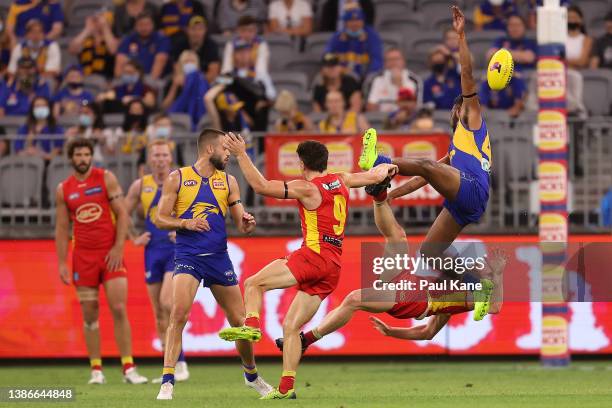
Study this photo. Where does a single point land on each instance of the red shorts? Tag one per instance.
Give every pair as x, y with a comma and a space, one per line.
89, 268
317, 274
408, 310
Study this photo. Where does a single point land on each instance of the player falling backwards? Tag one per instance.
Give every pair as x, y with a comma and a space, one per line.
91, 198
410, 304
461, 177
314, 269
194, 202
159, 244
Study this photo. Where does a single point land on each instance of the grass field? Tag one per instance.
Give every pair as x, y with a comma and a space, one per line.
344, 385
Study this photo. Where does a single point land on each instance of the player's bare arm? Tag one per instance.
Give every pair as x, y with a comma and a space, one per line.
131, 203
414, 183
470, 109
244, 221
62, 234
421, 332
114, 259
373, 176
165, 219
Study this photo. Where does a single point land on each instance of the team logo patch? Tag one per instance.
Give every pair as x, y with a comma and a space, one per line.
230, 275
73, 196
334, 185
190, 183
218, 184
495, 67
93, 190
89, 212
147, 189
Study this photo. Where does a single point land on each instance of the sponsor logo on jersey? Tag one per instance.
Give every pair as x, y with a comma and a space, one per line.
93, 190
190, 183
333, 241
485, 165
218, 184
230, 275
88, 212
73, 196
334, 185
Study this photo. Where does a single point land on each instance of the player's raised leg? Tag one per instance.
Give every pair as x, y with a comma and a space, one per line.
230, 300
90, 307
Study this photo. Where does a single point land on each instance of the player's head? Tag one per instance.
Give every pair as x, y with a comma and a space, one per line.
159, 155
210, 145
80, 154
455, 112
313, 156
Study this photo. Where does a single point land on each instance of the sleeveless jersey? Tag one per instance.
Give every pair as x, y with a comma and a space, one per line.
470, 151
150, 193
207, 198
323, 228
90, 211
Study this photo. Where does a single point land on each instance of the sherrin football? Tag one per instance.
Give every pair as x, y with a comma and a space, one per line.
500, 70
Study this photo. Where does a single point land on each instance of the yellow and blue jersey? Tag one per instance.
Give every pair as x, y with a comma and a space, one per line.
22, 11
470, 151
206, 198
150, 193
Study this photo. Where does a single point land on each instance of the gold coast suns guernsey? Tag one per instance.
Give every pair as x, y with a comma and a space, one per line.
470, 151
150, 193
206, 198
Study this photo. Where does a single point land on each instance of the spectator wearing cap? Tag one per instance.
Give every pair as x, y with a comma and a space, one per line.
340, 120
602, 51
38, 131
46, 53
91, 126
246, 33
48, 12
444, 84
493, 14
196, 39
290, 118
149, 47
130, 86
358, 46
383, 93
16, 96
524, 50
331, 16
71, 96
579, 44
405, 114
511, 99
332, 78
175, 15
125, 13
95, 46
291, 17
229, 13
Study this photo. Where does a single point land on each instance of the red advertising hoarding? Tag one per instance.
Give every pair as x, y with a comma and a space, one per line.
282, 162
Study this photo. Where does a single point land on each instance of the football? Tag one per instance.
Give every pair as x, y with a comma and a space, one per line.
500, 70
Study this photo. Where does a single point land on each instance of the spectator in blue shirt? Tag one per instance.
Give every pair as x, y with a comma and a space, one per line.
49, 12
606, 209
175, 15
358, 46
524, 50
17, 95
493, 14
512, 98
71, 96
148, 47
444, 84
37, 134
131, 86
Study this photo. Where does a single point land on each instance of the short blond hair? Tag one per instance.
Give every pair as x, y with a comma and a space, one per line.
285, 101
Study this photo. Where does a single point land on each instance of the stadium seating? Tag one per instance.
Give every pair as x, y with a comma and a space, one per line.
295, 82
316, 43
28, 171
11, 123
58, 170
597, 91
390, 8
181, 122
125, 167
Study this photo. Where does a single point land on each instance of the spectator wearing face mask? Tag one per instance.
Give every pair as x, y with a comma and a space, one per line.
290, 118
444, 84
493, 14
46, 53
17, 95
602, 52
130, 86
196, 39
37, 134
578, 45
91, 126
358, 46
524, 50
71, 96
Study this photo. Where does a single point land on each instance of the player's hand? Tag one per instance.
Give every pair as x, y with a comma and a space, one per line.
114, 258
235, 144
381, 326
196, 224
172, 236
142, 239
248, 223
64, 274
458, 19
382, 171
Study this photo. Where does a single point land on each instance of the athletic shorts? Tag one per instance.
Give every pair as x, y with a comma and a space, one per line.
158, 261
89, 268
470, 203
316, 274
408, 310
212, 269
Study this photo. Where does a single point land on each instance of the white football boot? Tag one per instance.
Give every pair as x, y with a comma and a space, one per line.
181, 373
97, 377
165, 391
260, 385
131, 376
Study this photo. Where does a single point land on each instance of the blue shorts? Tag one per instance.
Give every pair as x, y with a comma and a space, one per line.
158, 261
471, 201
213, 269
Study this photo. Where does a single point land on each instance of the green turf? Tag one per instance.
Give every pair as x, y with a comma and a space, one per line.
345, 385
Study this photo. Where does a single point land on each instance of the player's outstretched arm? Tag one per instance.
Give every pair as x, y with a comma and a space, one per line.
114, 258
244, 221
470, 108
165, 219
62, 234
422, 332
373, 176
414, 183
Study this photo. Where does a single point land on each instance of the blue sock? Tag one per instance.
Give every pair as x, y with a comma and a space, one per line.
168, 375
380, 159
181, 356
250, 372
